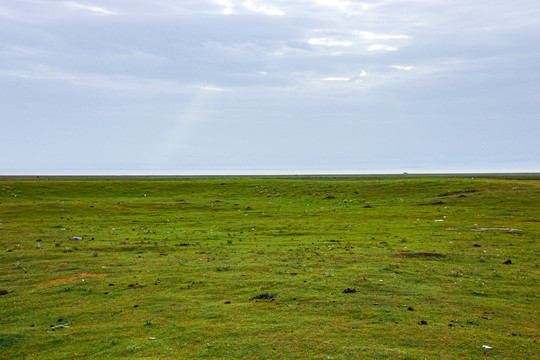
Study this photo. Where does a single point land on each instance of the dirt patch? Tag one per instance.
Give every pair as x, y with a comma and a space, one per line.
262, 296
433, 203
458, 193
423, 254
72, 278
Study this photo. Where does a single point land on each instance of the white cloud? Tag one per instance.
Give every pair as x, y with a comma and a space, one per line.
380, 47
339, 4
329, 42
267, 10
227, 4
212, 88
331, 78
343, 6
401, 67
372, 36
94, 9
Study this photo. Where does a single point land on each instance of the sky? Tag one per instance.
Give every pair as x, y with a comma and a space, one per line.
261, 86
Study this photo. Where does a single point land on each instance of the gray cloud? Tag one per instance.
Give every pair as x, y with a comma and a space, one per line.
230, 84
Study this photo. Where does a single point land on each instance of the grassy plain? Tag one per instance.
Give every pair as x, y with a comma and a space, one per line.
166, 268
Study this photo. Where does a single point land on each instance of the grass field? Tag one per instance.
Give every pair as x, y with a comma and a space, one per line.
167, 267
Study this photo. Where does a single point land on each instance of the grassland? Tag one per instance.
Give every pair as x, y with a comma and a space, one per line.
166, 268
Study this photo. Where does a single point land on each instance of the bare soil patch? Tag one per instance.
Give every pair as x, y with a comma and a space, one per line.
72, 278
423, 254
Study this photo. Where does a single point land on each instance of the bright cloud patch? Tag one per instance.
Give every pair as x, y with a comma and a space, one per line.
251, 5
329, 42
94, 9
371, 36
227, 4
341, 5
400, 67
380, 47
211, 88
335, 79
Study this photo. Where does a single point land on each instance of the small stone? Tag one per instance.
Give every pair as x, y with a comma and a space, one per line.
76, 238
263, 296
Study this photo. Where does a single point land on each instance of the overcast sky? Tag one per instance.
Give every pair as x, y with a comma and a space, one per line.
289, 86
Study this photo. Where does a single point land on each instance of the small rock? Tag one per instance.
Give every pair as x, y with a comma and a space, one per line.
76, 238
151, 338
262, 296
486, 347
349, 291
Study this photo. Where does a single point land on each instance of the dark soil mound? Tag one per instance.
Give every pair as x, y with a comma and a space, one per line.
263, 296
423, 254
433, 203
458, 193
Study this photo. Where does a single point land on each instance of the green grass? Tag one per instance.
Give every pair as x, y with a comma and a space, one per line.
160, 257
